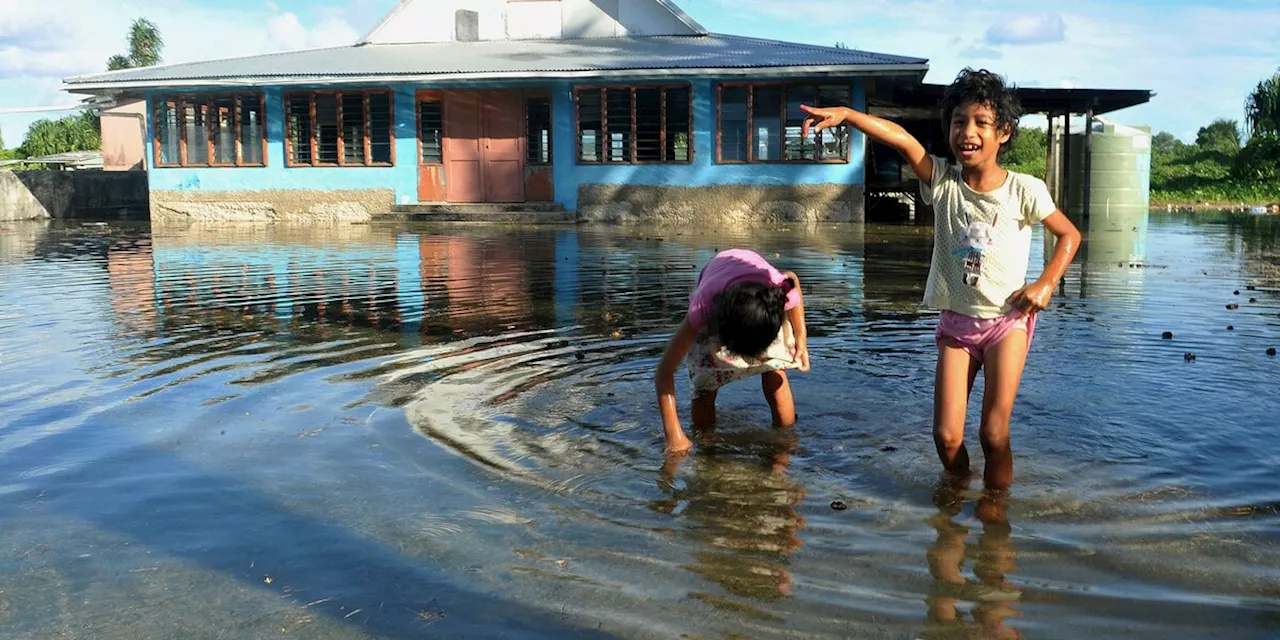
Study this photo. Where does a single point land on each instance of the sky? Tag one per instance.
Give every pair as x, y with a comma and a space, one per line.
1202, 58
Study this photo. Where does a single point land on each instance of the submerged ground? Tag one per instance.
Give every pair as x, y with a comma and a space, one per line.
397, 432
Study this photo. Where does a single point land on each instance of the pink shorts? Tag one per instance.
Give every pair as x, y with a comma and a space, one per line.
977, 335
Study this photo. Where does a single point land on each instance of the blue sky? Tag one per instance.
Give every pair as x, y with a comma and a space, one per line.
1201, 57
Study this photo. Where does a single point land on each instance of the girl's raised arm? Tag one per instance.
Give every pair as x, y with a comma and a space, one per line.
885, 132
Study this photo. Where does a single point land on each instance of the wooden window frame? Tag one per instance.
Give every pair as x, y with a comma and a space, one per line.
604, 123
419, 98
782, 121
367, 133
205, 101
551, 124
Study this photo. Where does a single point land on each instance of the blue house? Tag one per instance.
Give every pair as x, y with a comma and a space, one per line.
616, 109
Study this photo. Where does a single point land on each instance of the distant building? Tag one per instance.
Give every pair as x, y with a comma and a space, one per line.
608, 107
616, 109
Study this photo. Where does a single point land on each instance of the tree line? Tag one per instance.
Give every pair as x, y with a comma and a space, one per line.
1227, 163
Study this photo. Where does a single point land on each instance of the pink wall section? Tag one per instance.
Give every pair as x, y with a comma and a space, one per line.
123, 128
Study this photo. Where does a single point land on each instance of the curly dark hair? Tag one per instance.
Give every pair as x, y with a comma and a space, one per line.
984, 87
748, 316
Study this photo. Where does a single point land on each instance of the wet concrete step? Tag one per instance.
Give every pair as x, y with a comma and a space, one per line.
492, 216
485, 208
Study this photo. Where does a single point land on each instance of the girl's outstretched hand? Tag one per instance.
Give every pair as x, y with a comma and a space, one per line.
820, 118
1032, 298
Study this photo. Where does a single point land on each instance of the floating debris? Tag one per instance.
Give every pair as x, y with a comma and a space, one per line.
1253, 301
1232, 307
839, 506
1188, 356
1236, 292
580, 355
1231, 328
889, 449
1271, 351
1168, 335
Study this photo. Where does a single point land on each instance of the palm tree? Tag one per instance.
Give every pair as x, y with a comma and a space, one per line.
1262, 107
145, 45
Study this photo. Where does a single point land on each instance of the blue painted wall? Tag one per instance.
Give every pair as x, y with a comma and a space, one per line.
703, 171
403, 177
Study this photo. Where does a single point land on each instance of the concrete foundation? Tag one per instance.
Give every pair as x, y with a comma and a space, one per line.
310, 207
738, 205
34, 195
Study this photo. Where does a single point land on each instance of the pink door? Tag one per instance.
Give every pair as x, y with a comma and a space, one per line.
463, 148
504, 146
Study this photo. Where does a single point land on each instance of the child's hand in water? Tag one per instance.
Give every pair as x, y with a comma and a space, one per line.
1033, 297
678, 446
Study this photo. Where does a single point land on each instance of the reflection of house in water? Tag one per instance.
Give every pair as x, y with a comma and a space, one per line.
131, 278
494, 280
409, 283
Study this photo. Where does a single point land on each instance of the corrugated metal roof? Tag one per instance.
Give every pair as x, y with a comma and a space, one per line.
668, 55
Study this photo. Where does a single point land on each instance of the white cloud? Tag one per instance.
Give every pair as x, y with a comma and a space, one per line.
44, 41
980, 52
287, 32
1200, 59
1028, 29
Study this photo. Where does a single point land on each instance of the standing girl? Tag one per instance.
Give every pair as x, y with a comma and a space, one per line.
982, 243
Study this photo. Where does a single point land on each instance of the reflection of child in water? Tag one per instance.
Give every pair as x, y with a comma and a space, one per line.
745, 319
742, 516
992, 596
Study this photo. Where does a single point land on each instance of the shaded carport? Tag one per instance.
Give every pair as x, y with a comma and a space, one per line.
915, 107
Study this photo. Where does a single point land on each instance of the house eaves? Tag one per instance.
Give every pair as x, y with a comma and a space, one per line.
600, 58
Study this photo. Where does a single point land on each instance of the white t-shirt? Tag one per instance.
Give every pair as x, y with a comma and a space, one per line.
981, 241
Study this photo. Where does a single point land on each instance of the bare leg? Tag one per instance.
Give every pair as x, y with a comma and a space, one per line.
704, 411
777, 391
1004, 365
951, 386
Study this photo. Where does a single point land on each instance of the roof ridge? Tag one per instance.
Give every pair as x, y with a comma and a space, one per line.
269, 54
523, 40
813, 47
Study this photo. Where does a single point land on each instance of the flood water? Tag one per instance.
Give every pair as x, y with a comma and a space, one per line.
387, 432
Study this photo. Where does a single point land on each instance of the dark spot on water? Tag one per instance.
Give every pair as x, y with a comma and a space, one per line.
1235, 293
1188, 356
1271, 351
852, 361
889, 449
1168, 335
579, 355
839, 506
1090, 319
609, 394
1251, 288
1231, 327
1253, 301
224, 432
1233, 306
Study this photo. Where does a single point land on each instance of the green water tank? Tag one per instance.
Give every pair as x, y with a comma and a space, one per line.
1119, 187
1120, 184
